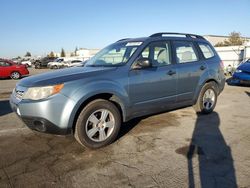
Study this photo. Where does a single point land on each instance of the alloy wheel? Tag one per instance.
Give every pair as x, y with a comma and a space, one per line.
100, 125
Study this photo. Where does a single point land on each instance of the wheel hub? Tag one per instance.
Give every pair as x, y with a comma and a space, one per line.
100, 125
208, 99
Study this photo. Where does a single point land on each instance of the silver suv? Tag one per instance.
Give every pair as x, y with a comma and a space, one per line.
127, 79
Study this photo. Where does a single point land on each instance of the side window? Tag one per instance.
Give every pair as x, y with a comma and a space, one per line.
185, 52
206, 50
158, 52
4, 64
145, 53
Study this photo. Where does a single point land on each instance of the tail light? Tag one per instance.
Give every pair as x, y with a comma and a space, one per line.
222, 65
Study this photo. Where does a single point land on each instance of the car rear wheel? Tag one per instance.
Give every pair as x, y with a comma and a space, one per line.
98, 124
15, 75
37, 66
207, 99
54, 67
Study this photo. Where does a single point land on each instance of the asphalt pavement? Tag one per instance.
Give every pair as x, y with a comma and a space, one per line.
173, 149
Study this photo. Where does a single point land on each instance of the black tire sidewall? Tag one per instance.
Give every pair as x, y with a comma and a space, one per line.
207, 86
83, 117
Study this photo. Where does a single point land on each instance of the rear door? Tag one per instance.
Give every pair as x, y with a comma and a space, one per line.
152, 89
190, 69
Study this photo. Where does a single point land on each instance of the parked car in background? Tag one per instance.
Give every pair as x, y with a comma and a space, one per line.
74, 63
127, 79
242, 74
42, 63
56, 64
27, 63
10, 69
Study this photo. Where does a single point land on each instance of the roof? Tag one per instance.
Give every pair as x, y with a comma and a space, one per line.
168, 35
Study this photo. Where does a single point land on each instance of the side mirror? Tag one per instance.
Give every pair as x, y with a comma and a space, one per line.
142, 63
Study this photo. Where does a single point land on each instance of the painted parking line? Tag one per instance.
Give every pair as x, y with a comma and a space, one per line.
13, 131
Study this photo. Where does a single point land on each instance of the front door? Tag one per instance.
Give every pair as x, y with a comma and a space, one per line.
4, 69
153, 88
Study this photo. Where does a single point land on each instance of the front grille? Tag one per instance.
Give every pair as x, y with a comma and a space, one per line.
19, 92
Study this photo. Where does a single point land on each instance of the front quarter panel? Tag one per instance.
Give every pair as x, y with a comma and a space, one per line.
90, 89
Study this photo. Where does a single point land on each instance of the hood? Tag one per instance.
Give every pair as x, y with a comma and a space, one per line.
244, 67
63, 75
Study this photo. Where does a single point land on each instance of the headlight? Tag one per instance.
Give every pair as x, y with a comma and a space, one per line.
237, 70
37, 93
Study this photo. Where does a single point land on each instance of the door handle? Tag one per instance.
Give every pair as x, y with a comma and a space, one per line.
202, 67
171, 72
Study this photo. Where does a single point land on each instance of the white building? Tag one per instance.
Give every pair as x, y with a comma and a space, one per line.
214, 39
86, 53
233, 55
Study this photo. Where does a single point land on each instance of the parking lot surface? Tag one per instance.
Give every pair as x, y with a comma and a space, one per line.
173, 149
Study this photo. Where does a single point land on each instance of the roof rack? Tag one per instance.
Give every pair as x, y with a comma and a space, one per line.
170, 33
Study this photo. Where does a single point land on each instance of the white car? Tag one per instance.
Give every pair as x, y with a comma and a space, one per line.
74, 63
27, 63
58, 63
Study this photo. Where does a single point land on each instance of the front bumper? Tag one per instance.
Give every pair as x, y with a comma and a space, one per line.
241, 78
49, 116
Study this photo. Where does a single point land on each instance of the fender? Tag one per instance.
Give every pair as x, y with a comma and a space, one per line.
207, 76
91, 89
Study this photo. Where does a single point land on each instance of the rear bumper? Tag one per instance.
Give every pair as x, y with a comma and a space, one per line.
25, 72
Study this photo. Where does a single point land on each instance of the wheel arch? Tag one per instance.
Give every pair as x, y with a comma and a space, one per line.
198, 90
106, 96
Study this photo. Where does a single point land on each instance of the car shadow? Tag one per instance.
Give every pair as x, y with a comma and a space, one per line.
128, 126
4, 107
248, 93
216, 165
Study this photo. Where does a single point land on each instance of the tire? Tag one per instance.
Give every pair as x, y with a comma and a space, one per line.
15, 75
91, 131
37, 66
207, 98
54, 67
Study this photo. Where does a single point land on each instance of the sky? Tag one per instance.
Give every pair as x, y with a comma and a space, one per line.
50, 25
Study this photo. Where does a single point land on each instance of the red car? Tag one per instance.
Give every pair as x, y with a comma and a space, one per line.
10, 69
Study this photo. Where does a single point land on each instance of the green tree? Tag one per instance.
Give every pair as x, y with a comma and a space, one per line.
51, 54
234, 39
63, 53
76, 50
28, 54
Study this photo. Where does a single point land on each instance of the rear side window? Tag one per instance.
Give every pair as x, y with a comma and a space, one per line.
206, 50
185, 52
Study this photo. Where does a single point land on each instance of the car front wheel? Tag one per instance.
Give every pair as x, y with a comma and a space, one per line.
98, 124
207, 99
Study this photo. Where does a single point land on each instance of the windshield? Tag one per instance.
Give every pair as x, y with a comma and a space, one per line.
114, 55
59, 60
